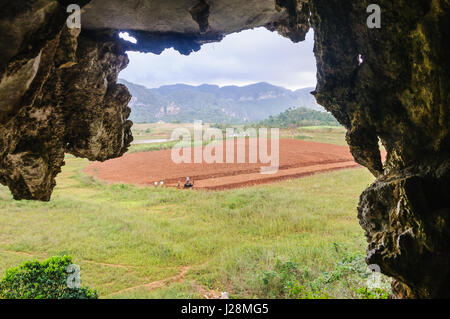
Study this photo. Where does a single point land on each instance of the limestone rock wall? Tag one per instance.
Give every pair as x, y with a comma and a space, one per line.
58, 88
392, 84
59, 94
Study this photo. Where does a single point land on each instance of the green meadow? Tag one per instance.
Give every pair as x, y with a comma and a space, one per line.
298, 238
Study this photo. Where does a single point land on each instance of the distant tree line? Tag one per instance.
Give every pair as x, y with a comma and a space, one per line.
297, 117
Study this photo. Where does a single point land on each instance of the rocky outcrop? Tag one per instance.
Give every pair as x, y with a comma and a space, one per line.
58, 88
392, 84
95, 106
59, 93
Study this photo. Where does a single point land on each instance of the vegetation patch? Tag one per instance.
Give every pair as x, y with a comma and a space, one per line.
125, 237
54, 278
297, 117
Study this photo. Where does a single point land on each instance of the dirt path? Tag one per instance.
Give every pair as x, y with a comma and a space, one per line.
158, 283
243, 180
178, 278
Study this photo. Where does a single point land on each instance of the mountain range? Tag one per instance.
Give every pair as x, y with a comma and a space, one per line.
214, 104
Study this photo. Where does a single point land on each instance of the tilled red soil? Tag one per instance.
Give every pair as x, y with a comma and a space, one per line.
297, 158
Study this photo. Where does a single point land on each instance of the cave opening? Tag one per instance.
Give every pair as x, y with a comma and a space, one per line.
59, 91
262, 64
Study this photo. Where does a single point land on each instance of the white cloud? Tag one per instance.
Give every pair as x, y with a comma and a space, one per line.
126, 36
240, 58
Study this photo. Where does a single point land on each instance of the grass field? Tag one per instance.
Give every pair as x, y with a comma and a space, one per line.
292, 239
143, 131
323, 134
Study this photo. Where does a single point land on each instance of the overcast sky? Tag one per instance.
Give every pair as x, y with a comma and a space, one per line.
239, 59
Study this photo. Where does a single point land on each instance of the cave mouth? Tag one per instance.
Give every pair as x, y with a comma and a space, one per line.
53, 61
246, 78
389, 83
248, 57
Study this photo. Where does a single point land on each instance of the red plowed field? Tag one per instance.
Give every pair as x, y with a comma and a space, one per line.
296, 158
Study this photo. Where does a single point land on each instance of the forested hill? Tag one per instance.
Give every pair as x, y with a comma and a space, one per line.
295, 117
214, 104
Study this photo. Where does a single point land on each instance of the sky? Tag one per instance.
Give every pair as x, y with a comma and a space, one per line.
241, 58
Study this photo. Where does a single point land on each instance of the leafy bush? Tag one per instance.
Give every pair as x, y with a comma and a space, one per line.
303, 292
43, 280
351, 273
284, 281
368, 293
277, 282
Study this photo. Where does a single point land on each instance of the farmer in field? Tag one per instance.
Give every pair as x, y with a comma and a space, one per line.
188, 183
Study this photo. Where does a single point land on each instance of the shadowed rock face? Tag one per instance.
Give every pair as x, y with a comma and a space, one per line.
400, 95
58, 94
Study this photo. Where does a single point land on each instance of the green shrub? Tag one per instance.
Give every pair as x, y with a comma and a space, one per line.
297, 291
43, 280
375, 293
288, 280
284, 282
